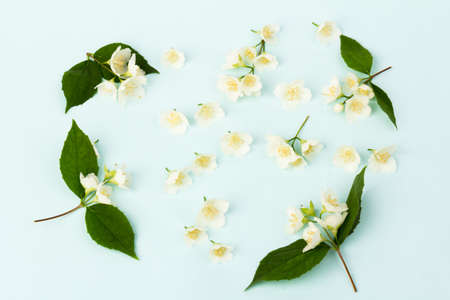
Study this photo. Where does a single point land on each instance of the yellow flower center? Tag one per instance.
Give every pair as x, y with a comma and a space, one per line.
309, 236
232, 85
356, 106
284, 151
180, 178
249, 81
363, 91
174, 118
203, 161
220, 251
193, 234
172, 56
348, 155
326, 30
382, 156
206, 112
293, 93
264, 60
235, 141
209, 211
332, 201
267, 33
249, 54
298, 162
332, 90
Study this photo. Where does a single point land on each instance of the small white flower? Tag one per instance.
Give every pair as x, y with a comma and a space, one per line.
212, 214
338, 107
231, 86
332, 91
103, 193
107, 88
265, 61
268, 32
204, 163
300, 163
175, 121
133, 69
176, 180
328, 32
357, 108
331, 204
235, 143
233, 60
248, 54
208, 113
291, 94
364, 91
347, 158
194, 235
173, 58
251, 85
310, 148
132, 88
312, 237
89, 182
118, 177
282, 151
119, 60
332, 221
382, 160
220, 253
351, 82
295, 220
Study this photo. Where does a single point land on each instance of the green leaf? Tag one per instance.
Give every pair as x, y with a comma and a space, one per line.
104, 54
385, 103
79, 83
354, 208
288, 262
110, 228
356, 56
77, 156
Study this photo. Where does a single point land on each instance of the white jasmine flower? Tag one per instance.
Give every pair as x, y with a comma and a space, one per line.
118, 177
332, 91
268, 32
220, 253
231, 86
133, 69
194, 235
295, 220
102, 194
382, 160
312, 237
248, 54
351, 82
89, 182
175, 121
176, 180
328, 32
282, 151
265, 61
291, 94
332, 222
233, 60
204, 163
173, 58
310, 148
212, 213
338, 107
347, 158
235, 143
299, 163
364, 91
331, 204
107, 88
208, 113
119, 60
132, 88
251, 85
357, 108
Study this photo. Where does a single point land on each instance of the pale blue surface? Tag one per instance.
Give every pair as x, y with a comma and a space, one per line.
400, 250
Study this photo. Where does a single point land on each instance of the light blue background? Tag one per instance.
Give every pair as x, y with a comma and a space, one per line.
400, 250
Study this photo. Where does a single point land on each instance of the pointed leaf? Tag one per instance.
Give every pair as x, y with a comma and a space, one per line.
79, 83
385, 103
354, 207
110, 228
288, 262
77, 156
356, 56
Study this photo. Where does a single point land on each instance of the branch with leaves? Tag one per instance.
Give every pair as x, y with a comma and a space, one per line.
105, 223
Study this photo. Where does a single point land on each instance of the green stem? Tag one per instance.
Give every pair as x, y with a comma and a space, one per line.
346, 268
262, 47
315, 24
60, 215
301, 127
377, 73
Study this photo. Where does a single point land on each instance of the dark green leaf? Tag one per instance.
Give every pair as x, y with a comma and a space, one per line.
77, 156
110, 228
79, 83
354, 207
288, 262
356, 56
385, 103
104, 54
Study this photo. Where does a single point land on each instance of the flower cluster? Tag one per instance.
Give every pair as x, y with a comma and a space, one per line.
211, 215
285, 152
177, 179
320, 227
251, 58
132, 78
97, 191
379, 161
